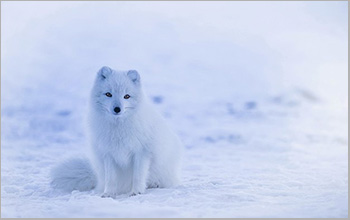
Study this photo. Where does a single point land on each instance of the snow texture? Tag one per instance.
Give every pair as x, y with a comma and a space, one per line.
257, 92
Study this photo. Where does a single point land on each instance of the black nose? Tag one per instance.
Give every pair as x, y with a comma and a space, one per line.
117, 109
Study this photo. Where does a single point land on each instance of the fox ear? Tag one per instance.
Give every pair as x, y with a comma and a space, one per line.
134, 76
104, 72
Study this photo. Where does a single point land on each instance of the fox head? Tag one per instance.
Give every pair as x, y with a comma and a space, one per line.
116, 93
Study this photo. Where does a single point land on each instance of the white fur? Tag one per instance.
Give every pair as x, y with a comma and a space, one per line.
74, 174
134, 149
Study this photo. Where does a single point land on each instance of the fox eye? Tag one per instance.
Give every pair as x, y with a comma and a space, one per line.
126, 96
108, 94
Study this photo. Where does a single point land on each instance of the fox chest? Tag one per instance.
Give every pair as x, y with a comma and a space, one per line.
121, 144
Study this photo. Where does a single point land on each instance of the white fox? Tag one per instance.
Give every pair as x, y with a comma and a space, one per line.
132, 147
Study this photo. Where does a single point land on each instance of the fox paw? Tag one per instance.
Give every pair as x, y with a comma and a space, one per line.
108, 195
134, 193
153, 185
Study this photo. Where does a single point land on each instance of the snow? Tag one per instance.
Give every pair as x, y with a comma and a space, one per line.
257, 92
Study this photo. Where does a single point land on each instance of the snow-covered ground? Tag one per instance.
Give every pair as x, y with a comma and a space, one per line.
257, 91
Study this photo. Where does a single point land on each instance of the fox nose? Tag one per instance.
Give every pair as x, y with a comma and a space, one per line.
117, 110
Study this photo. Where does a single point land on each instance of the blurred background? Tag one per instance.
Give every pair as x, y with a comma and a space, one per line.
253, 48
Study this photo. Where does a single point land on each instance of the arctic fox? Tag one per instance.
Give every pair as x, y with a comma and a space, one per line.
132, 147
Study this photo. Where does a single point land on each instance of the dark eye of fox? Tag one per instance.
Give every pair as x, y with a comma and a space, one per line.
126, 96
108, 94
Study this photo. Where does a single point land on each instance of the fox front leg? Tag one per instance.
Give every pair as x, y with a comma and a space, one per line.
110, 171
141, 163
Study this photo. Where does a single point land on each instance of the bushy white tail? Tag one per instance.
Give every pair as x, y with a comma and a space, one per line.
73, 174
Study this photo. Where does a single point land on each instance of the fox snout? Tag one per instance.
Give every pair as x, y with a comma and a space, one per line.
117, 110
